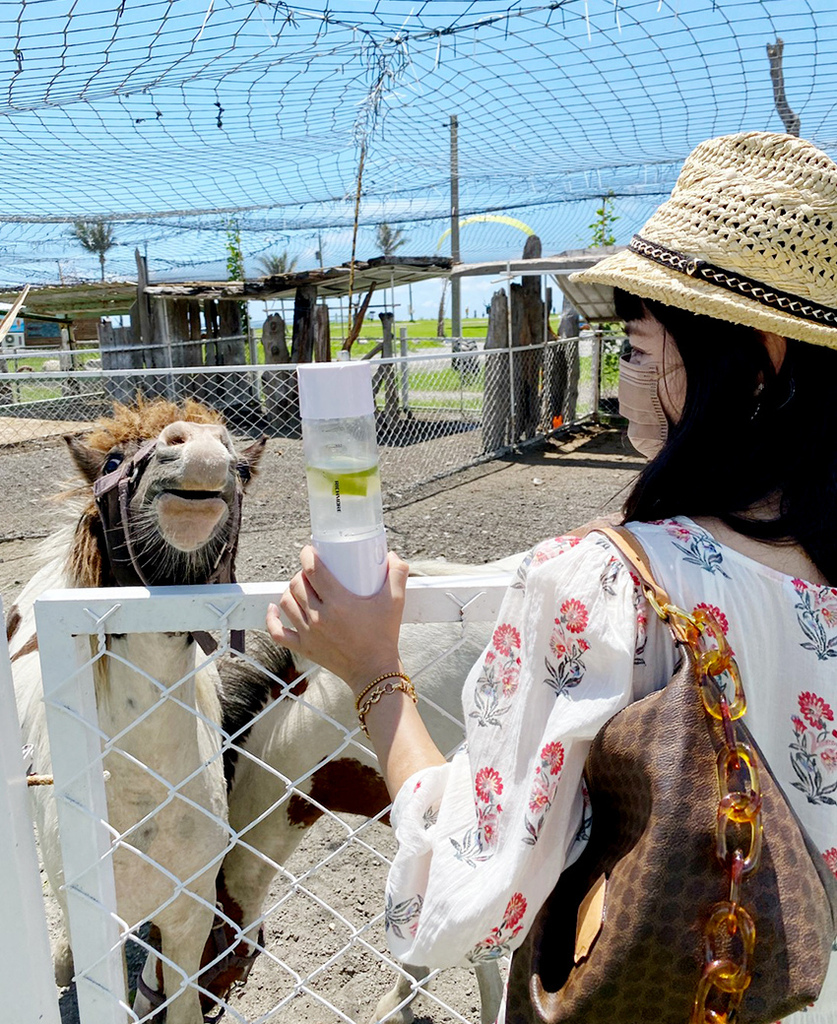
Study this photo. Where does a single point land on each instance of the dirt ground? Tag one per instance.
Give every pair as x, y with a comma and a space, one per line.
477, 515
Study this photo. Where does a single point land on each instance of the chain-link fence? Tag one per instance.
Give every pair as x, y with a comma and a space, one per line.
303, 847
437, 411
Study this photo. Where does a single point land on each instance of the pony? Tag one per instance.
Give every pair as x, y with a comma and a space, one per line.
159, 503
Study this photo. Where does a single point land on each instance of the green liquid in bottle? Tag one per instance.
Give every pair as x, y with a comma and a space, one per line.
344, 502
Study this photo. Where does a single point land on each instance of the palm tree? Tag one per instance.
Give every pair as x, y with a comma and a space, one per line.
95, 236
274, 264
389, 239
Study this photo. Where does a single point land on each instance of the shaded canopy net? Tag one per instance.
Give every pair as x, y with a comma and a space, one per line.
182, 122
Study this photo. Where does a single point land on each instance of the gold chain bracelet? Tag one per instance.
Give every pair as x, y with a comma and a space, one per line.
404, 685
379, 679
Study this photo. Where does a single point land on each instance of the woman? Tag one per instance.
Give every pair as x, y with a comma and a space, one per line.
729, 297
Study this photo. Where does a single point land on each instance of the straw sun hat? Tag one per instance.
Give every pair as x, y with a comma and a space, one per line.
749, 235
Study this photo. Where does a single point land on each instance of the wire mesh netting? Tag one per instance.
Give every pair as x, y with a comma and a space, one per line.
178, 123
296, 919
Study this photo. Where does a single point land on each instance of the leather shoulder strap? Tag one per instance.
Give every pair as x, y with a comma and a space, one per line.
635, 556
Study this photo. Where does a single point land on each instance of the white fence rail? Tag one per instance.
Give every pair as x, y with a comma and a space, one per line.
25, 965
323, 954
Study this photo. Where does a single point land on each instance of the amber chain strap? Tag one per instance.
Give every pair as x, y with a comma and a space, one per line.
730, 932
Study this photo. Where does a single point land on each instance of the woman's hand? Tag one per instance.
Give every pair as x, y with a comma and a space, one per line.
354, 637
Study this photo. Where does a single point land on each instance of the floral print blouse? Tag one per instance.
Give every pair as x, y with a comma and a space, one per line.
482, 839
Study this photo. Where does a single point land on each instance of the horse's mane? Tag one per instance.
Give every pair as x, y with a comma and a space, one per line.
145, 420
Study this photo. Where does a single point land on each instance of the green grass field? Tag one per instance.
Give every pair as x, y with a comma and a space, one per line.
433, 384
420, 333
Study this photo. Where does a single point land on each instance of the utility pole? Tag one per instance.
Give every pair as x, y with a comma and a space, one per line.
455, 284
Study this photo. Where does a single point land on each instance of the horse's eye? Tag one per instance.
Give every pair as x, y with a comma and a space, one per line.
114, 461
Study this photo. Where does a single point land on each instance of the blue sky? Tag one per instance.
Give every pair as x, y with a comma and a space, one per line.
172, 119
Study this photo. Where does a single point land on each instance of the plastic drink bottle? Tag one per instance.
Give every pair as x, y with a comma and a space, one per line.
337, 409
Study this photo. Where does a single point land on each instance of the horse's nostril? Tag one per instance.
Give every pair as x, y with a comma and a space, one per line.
176, 437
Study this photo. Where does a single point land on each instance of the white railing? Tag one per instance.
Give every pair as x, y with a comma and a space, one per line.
25, 964
75, 627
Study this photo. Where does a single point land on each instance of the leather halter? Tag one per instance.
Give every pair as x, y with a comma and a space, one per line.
112, 494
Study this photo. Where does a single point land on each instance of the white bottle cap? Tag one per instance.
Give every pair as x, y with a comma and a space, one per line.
335, 391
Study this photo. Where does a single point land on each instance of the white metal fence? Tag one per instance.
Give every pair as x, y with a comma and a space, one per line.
438, 411
320, 930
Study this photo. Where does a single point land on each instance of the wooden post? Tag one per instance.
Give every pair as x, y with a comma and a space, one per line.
322, 334
230, 349
569, 328
273, 340
279, 387
304, 329
496, 395
163, 321
178, 330
115, 357
193, 349
184, 324
386, 372
527, 329
135, 352
144, 328
210, 313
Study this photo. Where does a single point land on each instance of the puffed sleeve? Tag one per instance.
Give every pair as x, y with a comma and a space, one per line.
482, 839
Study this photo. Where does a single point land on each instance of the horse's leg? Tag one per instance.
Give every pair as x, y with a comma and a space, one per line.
183, 929
62, 961
149, 995
404, 989
183, 942
491, 990
488, 980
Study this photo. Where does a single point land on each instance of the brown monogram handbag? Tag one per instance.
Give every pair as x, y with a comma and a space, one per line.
699, 898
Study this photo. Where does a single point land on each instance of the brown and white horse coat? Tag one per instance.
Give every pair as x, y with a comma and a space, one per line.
181, 523
290, 776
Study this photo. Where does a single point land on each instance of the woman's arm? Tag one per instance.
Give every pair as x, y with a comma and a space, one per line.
356, 638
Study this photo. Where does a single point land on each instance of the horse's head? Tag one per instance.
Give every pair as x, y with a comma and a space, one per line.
164, 486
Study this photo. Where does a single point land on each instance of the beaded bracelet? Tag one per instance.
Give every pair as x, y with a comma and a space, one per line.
404, 685
379, 679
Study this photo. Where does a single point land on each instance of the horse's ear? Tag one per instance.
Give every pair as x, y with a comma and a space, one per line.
248, 460
88, 460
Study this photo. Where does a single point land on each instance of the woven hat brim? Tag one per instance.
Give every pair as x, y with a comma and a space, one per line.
649, 280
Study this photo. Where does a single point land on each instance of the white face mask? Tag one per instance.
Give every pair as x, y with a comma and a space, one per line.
639, 403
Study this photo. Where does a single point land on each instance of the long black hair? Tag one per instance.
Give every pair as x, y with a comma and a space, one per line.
739, 446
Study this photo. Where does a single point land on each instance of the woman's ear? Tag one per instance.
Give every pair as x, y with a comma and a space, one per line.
777, 348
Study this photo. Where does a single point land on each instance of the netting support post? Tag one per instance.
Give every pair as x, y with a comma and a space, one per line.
596, 372
405, 372
512, 403
72, 721
455, 283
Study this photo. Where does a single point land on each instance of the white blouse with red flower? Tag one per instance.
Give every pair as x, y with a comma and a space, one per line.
482, 839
